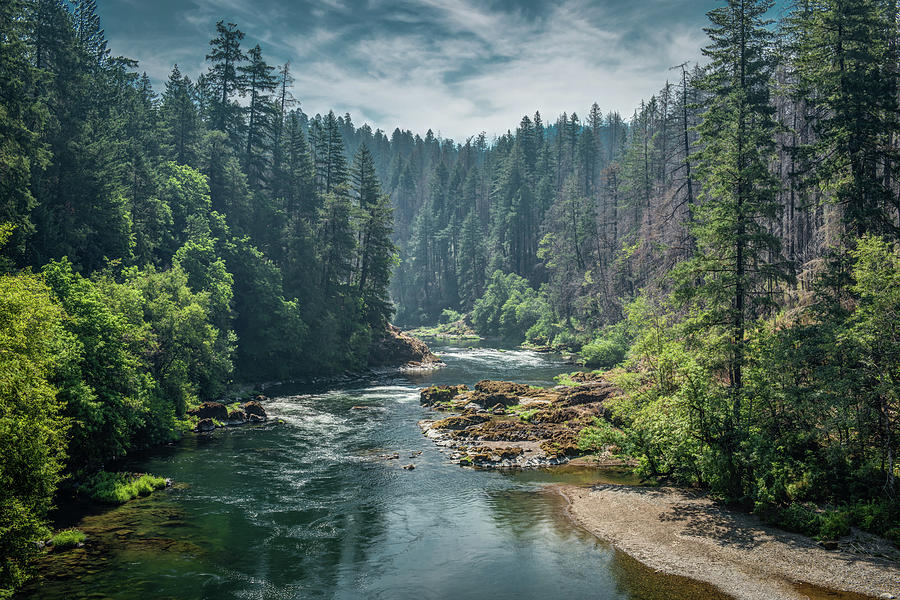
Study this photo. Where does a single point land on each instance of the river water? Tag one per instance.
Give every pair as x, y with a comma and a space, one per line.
307, 508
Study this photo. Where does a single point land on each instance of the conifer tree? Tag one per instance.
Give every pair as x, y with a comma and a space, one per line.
181, 118
845, 61
225, 78
729, 272
260, 84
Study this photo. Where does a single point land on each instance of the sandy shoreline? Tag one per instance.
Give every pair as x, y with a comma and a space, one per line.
682, 534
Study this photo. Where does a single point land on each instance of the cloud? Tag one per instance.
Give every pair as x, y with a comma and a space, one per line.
455, 66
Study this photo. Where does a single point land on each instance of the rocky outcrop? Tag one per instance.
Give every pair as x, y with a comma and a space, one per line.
397, 349
210, 410
504, 424
215, 414
254, 409
236, 417
439, 395
460, 422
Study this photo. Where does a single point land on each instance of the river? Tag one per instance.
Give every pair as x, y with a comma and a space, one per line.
306, 507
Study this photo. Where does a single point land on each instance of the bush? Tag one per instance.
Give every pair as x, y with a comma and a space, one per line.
834, 524
605, 353
68, 538
118, 488
449, 316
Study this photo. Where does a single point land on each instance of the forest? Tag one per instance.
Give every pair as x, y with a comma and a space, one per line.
728, 253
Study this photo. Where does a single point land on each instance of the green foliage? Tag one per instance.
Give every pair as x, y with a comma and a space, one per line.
603, 353
449, 316
509, 307
34, 348
68, 538
118, 488
599, 436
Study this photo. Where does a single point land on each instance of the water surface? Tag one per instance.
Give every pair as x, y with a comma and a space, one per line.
308, 508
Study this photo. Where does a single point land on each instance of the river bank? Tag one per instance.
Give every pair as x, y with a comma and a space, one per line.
679, 533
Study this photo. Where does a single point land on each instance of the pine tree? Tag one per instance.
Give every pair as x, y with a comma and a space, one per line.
225, 78
22, 116
846, 73
181, 119
729, 272
260, 85
331, 164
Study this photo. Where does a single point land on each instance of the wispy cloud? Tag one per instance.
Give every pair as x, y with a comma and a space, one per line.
455, 66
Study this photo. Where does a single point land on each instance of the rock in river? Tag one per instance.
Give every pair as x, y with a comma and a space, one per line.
205, 425
254, 409
237, 417
210, 410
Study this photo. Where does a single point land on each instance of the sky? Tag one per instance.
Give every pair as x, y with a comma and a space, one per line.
457, 67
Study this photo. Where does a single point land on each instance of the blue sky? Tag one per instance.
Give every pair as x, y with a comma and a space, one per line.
456, 66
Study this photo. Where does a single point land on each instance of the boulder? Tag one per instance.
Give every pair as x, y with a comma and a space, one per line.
561, 444
205, 425
210, 410
490, 393
558, 415
254, 409
237, 417
256, 419
438, 394
591, 392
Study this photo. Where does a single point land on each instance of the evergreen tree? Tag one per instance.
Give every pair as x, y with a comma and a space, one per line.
225, 78
260, 84
181, 119
728, 276
845, 61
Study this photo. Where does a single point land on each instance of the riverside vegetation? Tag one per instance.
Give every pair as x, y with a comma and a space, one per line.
729, 254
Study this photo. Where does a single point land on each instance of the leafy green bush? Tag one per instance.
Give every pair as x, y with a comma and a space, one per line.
799, 517
599, 436
118, 488
449, 316
604, 353
834, 524
68, 538
880, 517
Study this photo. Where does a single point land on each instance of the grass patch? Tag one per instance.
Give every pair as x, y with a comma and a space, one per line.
118, 488
68, 538
526, 415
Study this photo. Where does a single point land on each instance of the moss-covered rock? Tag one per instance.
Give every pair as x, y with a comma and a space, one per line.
433, 395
